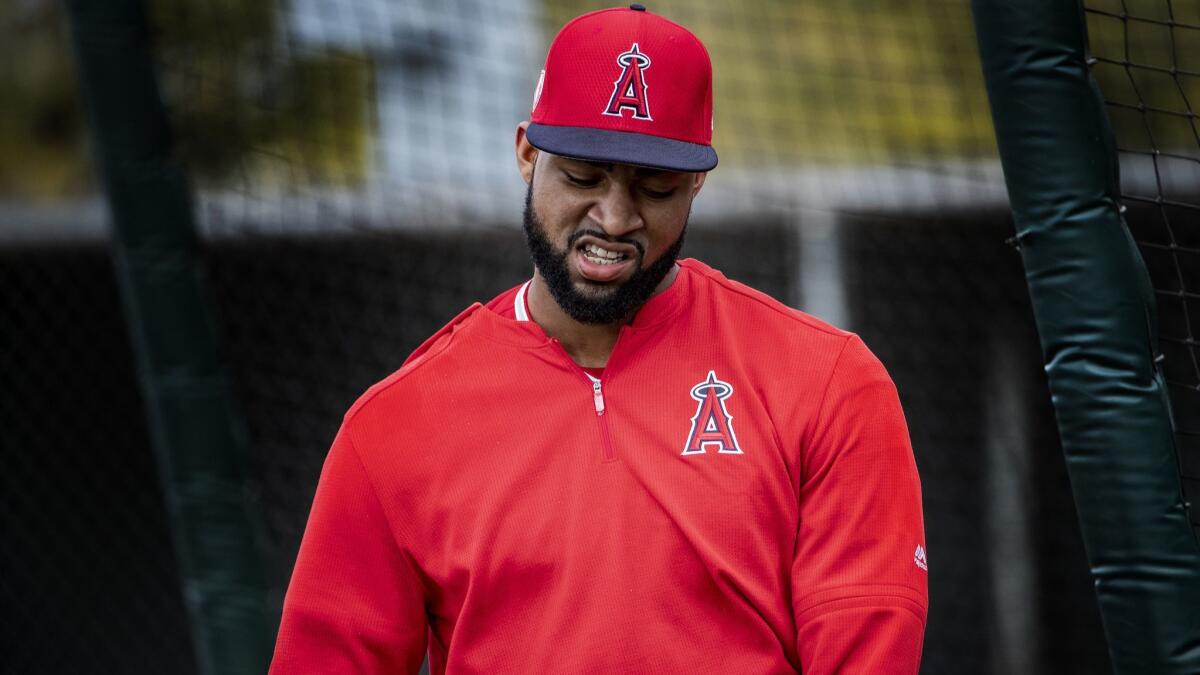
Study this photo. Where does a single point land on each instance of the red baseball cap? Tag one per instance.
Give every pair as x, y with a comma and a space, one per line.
627, 86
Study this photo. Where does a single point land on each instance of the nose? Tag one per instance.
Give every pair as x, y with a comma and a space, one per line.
615, 211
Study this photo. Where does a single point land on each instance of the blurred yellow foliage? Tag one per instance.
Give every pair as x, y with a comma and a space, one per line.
797, 83
42, 149
814, 82
252, 108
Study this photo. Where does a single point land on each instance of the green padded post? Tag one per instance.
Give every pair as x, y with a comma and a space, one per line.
198, 442
1094, 308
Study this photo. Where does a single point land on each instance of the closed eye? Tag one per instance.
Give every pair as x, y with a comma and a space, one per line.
657, 194
582, 182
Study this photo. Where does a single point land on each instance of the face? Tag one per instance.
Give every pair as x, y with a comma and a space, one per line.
604, 236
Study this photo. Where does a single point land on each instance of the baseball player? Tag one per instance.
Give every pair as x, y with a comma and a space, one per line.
628, 463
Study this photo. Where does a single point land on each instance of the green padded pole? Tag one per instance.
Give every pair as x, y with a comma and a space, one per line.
1094, 308
198, 442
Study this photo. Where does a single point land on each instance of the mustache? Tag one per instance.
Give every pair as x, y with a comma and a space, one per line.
579, 234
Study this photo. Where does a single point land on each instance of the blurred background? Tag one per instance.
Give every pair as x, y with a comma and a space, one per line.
353, 188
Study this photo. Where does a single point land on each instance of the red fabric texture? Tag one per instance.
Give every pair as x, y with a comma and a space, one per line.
475, 506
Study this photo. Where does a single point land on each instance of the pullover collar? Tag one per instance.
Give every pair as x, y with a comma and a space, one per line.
522, 332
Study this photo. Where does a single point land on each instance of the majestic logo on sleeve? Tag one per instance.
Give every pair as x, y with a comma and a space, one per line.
629, 91
712, 425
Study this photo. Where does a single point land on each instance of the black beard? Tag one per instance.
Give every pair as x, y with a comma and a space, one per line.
621, 301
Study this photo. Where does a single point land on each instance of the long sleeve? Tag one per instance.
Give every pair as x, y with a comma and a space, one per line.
859, 572
355, 602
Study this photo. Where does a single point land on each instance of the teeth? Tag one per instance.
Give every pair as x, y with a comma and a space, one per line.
602, 256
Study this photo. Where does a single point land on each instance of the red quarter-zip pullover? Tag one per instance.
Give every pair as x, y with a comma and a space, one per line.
735, 494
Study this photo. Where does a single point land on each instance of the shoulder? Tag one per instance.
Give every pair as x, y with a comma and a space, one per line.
747, 311
423, 363
783, 339
435, 359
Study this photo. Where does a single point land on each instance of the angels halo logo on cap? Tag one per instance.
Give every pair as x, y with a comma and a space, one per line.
599, 99
629, 91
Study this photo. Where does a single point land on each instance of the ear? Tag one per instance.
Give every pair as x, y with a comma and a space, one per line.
698, 182
526, 153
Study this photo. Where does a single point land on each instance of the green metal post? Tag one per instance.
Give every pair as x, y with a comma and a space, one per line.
195, 432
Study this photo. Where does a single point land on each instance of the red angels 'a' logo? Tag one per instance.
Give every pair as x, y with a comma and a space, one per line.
629, 91
712, 425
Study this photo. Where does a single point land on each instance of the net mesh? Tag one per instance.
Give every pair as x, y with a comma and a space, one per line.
1146, 59
87, 573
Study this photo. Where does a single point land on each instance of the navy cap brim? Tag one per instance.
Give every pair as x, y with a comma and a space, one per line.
622, 147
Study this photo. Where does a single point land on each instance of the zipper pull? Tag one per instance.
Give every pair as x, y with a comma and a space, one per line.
598, 396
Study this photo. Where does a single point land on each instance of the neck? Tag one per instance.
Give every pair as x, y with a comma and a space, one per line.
588, 344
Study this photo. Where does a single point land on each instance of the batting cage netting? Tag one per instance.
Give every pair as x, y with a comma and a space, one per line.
354, 187
1146, 57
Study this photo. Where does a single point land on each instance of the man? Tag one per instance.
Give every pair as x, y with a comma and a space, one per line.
627, 464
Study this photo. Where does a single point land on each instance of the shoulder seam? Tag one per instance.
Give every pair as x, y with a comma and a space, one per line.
397, 376
825, 394
728, 285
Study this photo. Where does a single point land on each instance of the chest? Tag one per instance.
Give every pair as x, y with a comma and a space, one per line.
558, 481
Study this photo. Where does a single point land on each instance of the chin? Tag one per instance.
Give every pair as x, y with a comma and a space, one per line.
596, 289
